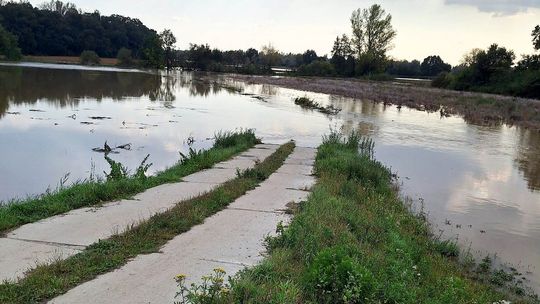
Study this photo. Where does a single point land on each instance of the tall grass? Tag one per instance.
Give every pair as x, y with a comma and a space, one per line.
95, 191
354, 241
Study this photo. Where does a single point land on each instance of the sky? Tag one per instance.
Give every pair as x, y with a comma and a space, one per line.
448, 28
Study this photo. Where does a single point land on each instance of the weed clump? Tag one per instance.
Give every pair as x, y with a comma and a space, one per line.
308, 103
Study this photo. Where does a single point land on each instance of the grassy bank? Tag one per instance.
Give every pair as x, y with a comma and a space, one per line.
477, 108
118, 186
46, 282
354, 241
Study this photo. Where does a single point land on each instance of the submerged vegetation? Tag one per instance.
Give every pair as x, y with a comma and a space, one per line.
354, 241
308, 103
476, 108
47, 281
119, 184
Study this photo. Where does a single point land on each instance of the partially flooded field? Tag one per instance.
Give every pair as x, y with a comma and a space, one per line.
479, 184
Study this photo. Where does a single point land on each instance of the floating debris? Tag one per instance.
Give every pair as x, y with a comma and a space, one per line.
74, 116
36, 110
87, 123
14, 113
106, 148
124, 147
261, 98
99, 117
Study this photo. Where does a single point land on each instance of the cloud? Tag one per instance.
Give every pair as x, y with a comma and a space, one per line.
499, 7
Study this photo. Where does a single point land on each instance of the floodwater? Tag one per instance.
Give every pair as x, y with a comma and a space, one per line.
478, 184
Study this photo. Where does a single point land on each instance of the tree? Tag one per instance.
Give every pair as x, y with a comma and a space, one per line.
433, 66
252, 55
494, 61
8, 45
168, 41
270, 56
124, 57
59, 7
536, 37
309, 56
153, 54
372, 31
342, 56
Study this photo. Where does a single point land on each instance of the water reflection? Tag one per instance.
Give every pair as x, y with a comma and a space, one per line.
20, 85
528, 157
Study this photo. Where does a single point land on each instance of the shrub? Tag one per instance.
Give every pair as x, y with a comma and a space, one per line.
89, 58
124, 57
443, 80
317, 68
335, 277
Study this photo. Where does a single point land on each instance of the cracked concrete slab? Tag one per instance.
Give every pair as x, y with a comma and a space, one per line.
230, 239
17, 256
86, 226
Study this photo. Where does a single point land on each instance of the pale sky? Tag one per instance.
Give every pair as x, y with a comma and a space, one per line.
448, 28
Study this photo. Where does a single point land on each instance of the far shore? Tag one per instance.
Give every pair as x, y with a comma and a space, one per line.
476, 108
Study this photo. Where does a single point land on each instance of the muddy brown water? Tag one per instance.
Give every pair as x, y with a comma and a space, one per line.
480, 185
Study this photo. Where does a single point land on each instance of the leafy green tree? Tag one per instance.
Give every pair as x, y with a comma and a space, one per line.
8, 45
373, 35
373, 32
536, 37
495, 60
153, 53
168, 41
342, 56
309, 56
434, 65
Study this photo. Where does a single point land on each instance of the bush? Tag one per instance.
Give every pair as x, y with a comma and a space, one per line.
124, 57
89, 58
443, 80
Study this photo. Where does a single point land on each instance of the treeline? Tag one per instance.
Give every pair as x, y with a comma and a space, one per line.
250, 61
60, 29
495, 70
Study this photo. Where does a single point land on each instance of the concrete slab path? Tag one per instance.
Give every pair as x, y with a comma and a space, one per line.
231, 239
64, 235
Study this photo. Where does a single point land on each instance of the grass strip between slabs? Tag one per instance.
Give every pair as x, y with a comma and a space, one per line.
118, 185
48, 281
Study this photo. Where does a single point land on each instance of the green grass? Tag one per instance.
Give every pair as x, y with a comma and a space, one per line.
93, 192
354, 241
46, 282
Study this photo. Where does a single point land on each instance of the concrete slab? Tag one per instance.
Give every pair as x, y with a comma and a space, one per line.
292, 181
296, 169
86, 226
231, 239
16, 257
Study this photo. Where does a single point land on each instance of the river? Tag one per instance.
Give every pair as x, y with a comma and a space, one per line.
480, 185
